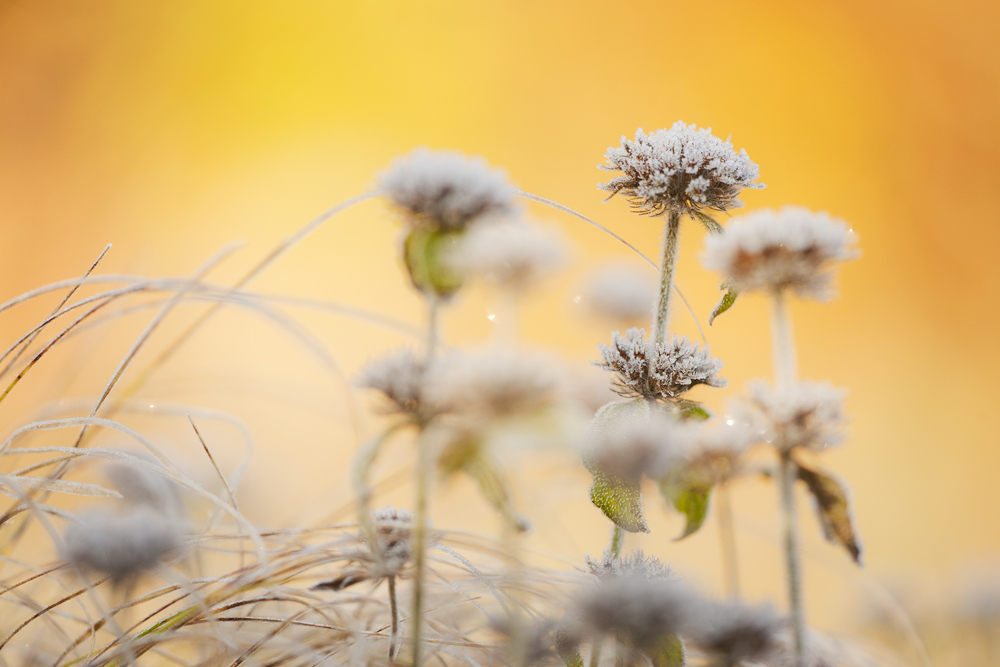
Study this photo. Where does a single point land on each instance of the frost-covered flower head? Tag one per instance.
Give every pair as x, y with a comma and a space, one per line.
141, 487
683, 170
712, 451
392, 530
641, 445
635, 564
514, 255
791, 248
734, 632
493, 383
399, 376
633, 609
121, 545
806, 414
658, 370
446, 190
619, 293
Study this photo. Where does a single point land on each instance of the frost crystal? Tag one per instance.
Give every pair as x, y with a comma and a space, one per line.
122, 546
683, 169
789, 248
807, 414
635, 564
446, 190
512, 255
493, 383
620, 293
400, 377
658, 370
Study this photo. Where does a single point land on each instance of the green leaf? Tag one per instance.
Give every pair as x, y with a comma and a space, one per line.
425, 253
710, 224
669, 653
619, 498
689, 499
726, 302
691, 410
833, 508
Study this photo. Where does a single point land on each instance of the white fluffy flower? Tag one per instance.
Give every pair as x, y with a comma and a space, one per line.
806, 414
638, 446
635, 564
658, 370
514, 255
637, 611
122, 546
788, 248
400, 377
620, 293
445, 189
683, 169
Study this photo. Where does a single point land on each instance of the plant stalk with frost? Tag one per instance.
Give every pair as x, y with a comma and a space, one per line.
675, 172
777, 252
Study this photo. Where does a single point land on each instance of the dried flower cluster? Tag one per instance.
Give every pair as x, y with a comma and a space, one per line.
620, 294
446, 190
662, 371
513, 255
400, 377
683, 169
635, 564
791, 248
807, 414
121, 545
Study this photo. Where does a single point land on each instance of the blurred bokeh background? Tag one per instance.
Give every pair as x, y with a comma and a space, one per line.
172, 128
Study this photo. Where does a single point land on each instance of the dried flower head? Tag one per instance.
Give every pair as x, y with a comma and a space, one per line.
734, 632
642, 445
635, 564
619, 293
392, 530
806, 414
141, 487
446, 190
658, 370
400, 377
715, 450
513, 255
122, 546
683, 170
529, 640
636, 611
789, 248
493, 383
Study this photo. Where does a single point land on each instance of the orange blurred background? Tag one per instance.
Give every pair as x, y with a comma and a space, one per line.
172, 128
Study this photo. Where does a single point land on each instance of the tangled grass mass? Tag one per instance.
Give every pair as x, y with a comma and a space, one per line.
146, 579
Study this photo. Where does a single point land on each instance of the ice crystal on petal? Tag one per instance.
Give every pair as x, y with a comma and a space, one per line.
635, 564
683, 169
446, 190
806, 414
789, 248
514, 255
619, 293
400, 378
122, 546
658, 370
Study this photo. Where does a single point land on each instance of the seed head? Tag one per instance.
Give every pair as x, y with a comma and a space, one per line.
122, 546
735, 632
683, 169
620, 294
807, 414
658, 370
791, 248
446, 190
635, 564
513, 255
400, 377
392, 530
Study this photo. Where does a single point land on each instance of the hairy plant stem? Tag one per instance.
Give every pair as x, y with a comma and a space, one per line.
668, 261
424, 471
394, 613
617, 539
727, 537
783, 351
595, 653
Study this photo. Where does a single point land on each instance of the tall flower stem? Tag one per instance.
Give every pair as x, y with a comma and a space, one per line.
668, 261
727, 538
783, 351
394, 612
617, 539
424, 473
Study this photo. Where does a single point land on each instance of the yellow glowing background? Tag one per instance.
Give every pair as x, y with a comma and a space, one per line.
172, 128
